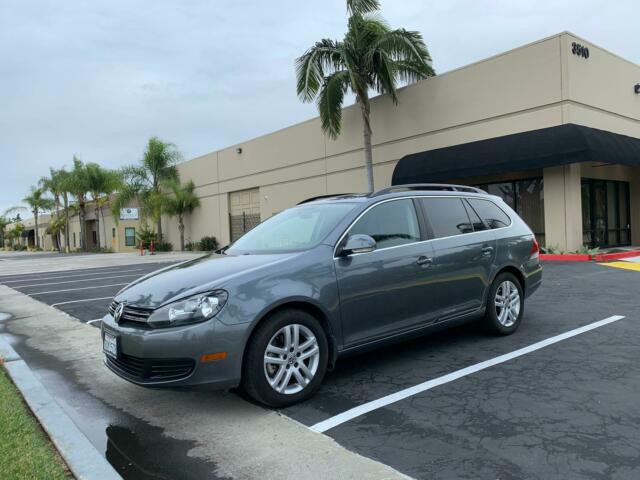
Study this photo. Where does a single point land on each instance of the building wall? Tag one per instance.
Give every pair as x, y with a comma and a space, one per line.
536, 86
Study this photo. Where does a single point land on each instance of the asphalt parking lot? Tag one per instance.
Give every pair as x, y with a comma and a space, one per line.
569, 409
84, 294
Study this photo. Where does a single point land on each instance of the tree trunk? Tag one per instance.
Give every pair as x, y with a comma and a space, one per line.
83, 233
58, 237
159, 230
181, 228
67, 244
97, 212
35, 215
368, 153
104, 228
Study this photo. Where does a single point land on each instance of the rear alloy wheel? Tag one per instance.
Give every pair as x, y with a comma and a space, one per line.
505, 305
286, 359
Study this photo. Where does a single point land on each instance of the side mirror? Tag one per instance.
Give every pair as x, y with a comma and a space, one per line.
358, 244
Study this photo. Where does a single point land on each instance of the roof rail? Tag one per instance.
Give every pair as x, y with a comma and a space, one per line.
320, 197
428, 186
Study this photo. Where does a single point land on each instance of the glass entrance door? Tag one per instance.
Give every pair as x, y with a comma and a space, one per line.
605, 213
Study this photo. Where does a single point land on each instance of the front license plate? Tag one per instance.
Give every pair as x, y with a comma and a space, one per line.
110, 345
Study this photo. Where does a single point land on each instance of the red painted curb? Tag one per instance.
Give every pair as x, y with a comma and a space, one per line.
567, 257
607, 257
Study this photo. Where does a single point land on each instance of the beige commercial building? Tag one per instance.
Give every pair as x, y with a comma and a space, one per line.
553, 127
117, 234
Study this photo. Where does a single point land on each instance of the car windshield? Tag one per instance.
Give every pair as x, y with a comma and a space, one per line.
298, 228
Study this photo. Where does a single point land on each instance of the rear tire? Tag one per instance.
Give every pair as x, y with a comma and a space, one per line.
286, 359
505, 305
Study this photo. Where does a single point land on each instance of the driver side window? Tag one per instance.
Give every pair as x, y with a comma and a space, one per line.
390, 224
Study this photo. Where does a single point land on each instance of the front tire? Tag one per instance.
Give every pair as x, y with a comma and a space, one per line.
286, 359
505, 305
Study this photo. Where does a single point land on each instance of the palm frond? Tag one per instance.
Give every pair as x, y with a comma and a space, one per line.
330, 102
324, 57
361, 7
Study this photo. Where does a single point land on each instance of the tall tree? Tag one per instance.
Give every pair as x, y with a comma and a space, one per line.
102, 183
54, 184
371, 57
38, 204
78, 186
181, 201
6, 220
144, 181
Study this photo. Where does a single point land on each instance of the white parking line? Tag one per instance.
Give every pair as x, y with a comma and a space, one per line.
76, 281
74, 289
428, 385
68, 276
79, 301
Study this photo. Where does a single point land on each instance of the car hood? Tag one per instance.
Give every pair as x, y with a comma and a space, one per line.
192, 277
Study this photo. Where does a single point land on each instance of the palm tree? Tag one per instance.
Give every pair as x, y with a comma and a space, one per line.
6, 220
38, 203
182, 201
77, 185
101, 183
371, 56
54, 184
144, 181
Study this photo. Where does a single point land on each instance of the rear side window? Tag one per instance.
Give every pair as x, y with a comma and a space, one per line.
390, 224
490, 213
447, 216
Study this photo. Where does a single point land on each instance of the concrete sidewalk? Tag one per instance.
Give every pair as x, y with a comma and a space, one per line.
240, 440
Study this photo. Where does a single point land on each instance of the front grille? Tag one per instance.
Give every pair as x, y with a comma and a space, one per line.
148, 369
136, 315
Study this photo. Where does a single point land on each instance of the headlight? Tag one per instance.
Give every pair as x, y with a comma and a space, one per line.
197, 308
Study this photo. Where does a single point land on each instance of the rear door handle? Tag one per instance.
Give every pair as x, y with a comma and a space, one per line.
424, 260
487, 250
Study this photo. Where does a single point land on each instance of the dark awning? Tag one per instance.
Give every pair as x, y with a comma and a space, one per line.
547, 147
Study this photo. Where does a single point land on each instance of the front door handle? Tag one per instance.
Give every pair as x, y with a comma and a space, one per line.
424, 260
487, 250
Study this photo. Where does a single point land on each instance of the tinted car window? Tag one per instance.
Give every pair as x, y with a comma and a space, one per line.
478, 224
447, 216
390, 224
490, 213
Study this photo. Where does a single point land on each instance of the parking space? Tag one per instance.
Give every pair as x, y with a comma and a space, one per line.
460, 403
563, 410
84, 294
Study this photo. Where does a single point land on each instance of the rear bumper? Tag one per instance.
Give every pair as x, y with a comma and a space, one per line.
172, 357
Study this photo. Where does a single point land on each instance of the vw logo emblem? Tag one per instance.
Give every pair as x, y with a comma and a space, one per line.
118, 313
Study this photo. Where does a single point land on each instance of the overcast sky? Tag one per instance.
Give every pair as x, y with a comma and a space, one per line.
98, 78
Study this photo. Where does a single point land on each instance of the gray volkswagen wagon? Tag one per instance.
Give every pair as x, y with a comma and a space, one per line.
273, 311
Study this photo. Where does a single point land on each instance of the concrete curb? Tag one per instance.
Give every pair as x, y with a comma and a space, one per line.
84, 461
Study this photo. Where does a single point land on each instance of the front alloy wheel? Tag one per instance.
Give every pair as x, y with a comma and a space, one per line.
285, 359
291, 359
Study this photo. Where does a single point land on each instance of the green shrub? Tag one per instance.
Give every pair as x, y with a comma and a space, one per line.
191, 246
163, 247
208, 244
19, 248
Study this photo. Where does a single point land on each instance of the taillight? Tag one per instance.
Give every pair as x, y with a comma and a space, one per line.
535, 249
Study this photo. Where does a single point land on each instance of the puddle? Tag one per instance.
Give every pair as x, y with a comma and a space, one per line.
137, 450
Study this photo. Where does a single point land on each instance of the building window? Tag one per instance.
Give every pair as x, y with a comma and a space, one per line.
74, 239
526, 197
130, 237
113, 232
606, 218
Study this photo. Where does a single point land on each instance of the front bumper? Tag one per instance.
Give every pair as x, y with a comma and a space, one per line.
172, 357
